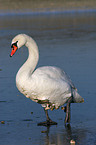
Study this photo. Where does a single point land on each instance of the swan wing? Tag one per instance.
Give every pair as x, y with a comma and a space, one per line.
55, 73
50, 83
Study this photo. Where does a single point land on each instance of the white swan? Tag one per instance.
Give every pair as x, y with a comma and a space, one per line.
48, 85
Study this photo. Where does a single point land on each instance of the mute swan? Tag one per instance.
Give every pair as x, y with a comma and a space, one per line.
48, 85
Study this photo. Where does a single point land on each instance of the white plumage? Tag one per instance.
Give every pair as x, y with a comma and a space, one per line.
47, 85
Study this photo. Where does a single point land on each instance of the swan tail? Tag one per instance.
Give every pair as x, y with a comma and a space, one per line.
76, 97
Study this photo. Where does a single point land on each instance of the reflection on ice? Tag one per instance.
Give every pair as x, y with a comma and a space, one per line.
64, 136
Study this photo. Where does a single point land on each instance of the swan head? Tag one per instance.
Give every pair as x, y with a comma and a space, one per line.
17, 42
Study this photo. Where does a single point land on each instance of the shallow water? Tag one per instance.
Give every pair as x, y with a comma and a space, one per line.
67, 41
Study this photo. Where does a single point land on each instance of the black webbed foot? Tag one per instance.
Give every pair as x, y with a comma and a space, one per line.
48, 121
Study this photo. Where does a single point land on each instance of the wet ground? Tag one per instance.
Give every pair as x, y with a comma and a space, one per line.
67, 41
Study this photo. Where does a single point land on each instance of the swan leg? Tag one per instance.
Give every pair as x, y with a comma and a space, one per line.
67, 110
48, 121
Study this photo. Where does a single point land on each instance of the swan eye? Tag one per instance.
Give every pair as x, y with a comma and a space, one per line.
14, 44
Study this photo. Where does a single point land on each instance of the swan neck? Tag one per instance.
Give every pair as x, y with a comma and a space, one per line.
33, 57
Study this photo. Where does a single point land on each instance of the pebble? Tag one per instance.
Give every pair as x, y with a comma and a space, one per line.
72, 141
2, 122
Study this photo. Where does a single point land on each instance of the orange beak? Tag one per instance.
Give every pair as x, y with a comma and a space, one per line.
14, 48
